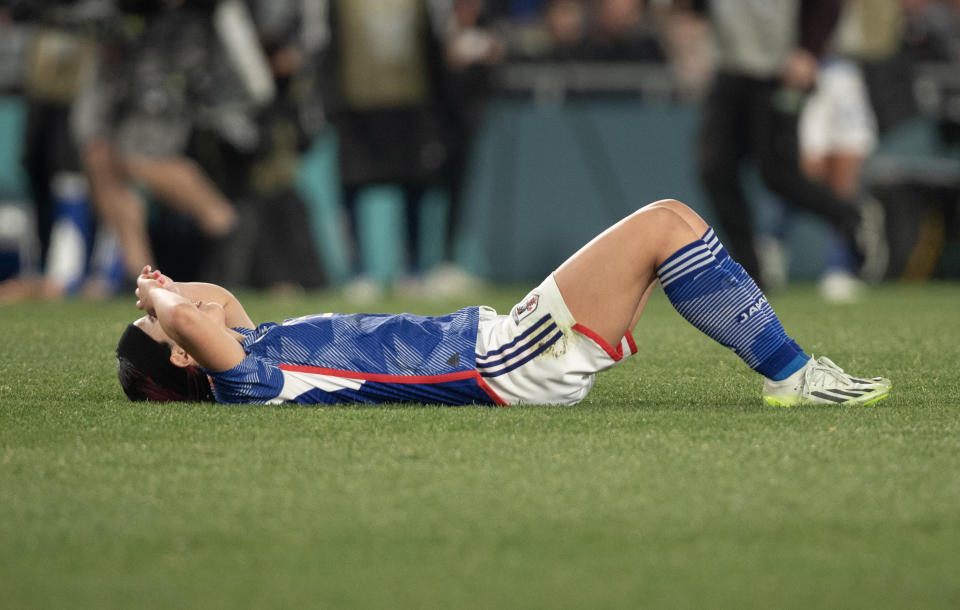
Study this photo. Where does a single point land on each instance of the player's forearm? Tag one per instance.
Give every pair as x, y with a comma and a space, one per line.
202, 291
176, 314
200, 333
212, 293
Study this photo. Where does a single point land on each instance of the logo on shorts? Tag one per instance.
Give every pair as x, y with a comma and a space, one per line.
525, 308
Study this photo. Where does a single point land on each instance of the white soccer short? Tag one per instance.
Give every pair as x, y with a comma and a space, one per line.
538, 354
838, 117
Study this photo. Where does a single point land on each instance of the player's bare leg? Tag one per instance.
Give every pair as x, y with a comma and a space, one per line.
607, 282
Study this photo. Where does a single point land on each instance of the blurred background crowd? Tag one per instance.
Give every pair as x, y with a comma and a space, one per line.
430, 145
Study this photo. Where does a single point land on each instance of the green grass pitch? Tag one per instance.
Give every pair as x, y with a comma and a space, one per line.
671, 486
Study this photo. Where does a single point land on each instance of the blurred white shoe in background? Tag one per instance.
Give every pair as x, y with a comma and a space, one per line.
839, 286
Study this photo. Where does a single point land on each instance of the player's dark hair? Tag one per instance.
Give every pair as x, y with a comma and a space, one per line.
146, 373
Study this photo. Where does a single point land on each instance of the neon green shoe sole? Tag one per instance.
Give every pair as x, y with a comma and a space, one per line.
774, 401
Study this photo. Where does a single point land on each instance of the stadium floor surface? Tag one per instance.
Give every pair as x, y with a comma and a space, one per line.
672, 485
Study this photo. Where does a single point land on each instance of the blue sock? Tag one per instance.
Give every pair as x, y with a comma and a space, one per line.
715, 294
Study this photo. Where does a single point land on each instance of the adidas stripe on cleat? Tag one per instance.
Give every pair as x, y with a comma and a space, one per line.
821, 382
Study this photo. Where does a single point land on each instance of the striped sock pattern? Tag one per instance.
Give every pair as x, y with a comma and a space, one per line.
715, 294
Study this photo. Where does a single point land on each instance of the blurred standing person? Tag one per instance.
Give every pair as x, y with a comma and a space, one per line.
385, 72
280, 254
61, 51
472, 49
767, 55
134, 117
838, 127
926, 206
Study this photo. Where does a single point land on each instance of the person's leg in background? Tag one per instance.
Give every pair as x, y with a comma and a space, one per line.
722, 146
837, 132
36, 159
776, 148
413, 204
349, 194
361, 288
37, 156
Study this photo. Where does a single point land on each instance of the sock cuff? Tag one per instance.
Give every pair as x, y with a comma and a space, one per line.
706, 251
783, 362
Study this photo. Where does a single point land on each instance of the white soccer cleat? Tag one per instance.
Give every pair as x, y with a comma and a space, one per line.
821, 382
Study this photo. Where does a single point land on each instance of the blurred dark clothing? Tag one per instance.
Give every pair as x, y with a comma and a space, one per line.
621, 31
61, 47
300, 28
149, 8
641, 45
384, 77
384, 74
160, 73
750, 115
466, 89
274, 244
933, 32
48, 150
933, 36
923, 208
754, 36
390, 145
743, 119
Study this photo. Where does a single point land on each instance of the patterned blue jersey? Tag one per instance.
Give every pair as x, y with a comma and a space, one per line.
334, 358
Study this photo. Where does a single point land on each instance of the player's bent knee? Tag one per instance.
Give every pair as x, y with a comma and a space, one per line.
660, 219
669, 204
664, 213
677, 211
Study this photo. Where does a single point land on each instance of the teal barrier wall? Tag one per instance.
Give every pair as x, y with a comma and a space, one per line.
547, 179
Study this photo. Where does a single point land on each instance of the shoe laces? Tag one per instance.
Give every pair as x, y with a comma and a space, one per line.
822, 371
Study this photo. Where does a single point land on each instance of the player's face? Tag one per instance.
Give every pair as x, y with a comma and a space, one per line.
151, 326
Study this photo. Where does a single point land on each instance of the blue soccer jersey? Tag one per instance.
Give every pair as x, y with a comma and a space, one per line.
374, 358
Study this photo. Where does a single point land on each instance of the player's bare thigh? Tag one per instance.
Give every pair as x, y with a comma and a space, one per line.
605, 284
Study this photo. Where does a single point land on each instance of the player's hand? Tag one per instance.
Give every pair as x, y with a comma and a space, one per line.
165, 281
146, 287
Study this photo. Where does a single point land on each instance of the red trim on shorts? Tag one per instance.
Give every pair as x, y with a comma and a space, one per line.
631, 342
490, 392
616, 354
387, 378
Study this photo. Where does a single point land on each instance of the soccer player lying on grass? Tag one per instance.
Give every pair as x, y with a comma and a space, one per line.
197, 342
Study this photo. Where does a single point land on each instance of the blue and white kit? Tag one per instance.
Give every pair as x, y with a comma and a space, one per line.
537, 354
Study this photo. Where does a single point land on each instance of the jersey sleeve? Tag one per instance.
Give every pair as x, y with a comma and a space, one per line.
254, 380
